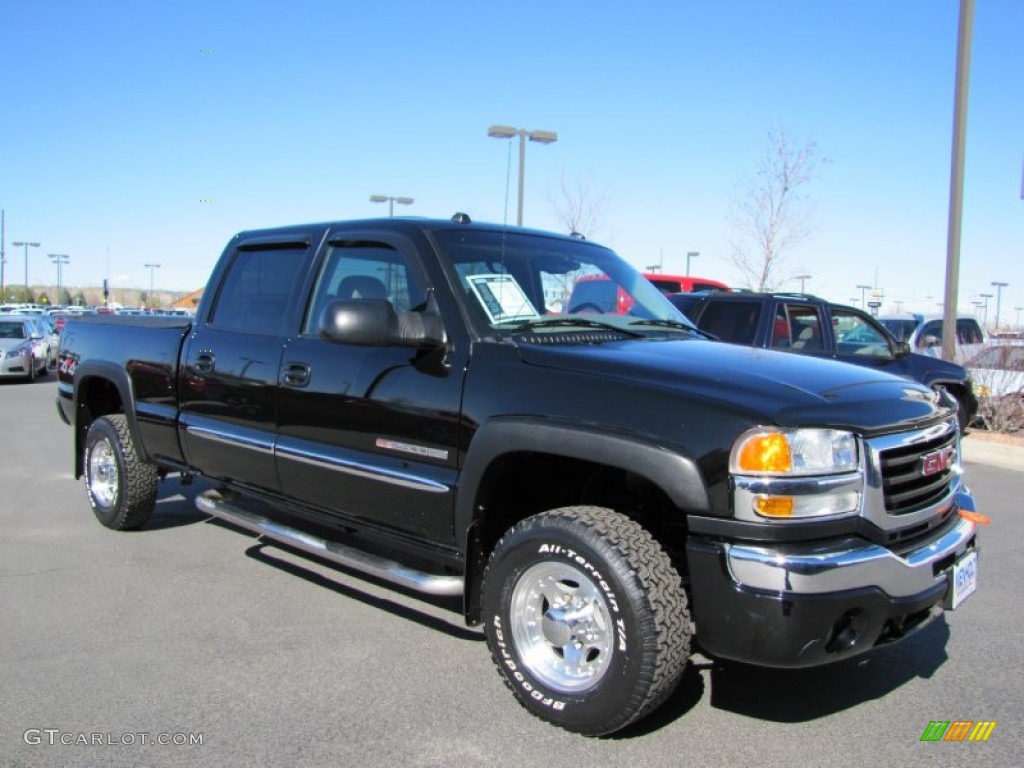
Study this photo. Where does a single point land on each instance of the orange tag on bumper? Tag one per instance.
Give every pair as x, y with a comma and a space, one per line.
974, 517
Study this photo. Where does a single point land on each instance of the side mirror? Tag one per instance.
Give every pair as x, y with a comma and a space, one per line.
374, 323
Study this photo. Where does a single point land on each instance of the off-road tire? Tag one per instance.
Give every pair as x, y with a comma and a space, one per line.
586, 618
120, 486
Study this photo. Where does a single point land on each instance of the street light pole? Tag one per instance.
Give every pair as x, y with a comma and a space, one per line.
151, 268
27, 246
986, 297
507, 132
391, 200
690, 255
803, 279
999, 295
59, 259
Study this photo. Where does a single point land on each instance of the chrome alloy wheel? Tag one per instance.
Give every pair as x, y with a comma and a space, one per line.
561, 627
103, 474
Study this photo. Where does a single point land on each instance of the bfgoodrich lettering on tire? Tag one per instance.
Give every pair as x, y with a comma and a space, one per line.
120, 486
586, 618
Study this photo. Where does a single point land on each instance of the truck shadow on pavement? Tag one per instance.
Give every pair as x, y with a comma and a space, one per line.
802, 695
264, 553
176, 506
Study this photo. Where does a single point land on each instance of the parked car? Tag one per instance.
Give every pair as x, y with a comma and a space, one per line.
18, 344
598, 294
998, 373
810, 325
924, 333
49, 339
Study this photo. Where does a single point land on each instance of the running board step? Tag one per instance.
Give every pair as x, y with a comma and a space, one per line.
219, 505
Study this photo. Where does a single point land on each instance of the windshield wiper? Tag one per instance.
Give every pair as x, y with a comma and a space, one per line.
574, 322
676, 325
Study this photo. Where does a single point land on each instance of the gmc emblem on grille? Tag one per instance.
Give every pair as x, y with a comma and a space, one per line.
937, 461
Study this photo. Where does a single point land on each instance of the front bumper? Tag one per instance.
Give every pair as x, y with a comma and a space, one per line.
803, 604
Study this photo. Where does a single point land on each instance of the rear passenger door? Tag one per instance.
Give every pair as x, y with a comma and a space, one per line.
229, 373
800, 327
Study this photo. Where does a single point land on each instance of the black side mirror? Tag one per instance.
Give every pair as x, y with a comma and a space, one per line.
374, 323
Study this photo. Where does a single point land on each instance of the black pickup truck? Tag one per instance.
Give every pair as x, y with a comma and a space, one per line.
810, 325
419, 401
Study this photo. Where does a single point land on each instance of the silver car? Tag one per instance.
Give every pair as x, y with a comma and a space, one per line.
19, 346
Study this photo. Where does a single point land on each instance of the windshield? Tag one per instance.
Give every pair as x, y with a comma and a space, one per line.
513, 280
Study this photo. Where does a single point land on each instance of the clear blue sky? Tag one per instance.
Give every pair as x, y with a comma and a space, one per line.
155, 131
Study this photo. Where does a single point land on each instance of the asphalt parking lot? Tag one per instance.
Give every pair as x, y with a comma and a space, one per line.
191, 631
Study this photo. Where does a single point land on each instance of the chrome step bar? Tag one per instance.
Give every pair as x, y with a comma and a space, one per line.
218, 504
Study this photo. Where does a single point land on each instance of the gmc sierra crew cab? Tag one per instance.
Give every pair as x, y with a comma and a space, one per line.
420, 401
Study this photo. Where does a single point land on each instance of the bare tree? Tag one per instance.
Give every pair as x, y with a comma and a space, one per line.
774, 214
579, 207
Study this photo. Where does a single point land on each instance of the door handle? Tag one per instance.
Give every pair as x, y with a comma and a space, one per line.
296, 375
204, 363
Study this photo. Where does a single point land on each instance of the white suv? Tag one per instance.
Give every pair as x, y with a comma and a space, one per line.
924, 333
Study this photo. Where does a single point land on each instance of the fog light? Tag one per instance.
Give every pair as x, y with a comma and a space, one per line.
774, 506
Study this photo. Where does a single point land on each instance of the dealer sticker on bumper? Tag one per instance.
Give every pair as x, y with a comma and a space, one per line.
965, 578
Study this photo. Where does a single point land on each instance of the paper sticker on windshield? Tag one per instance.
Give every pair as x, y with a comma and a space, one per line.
502, 298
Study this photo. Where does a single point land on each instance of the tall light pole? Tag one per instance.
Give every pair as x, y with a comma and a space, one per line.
59, 259
27, 246
999, 295
3, 254
965, 33
986, 297
152, 268
863, 300
391, 200
802, 279
507, 132
690, 255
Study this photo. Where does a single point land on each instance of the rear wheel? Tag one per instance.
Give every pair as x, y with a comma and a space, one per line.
586, 618
121, 487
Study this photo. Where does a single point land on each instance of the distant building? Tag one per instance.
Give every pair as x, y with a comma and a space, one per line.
189, 301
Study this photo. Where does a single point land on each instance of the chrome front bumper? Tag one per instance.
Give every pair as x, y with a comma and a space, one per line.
852, 563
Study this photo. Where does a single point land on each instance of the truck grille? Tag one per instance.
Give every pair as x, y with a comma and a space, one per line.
918, 475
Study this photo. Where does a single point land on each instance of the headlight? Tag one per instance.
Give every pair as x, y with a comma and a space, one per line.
794, 452
19, 351
793, 474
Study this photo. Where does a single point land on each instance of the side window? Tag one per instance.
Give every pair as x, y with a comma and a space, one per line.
733, 321
968, 332
364, 270
805, 328
931, 334
257, 290
856, 335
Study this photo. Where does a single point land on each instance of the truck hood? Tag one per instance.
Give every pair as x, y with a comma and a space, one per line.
772, 387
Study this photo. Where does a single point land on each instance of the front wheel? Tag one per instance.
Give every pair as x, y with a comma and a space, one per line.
961, 408
586, 618
121, 486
